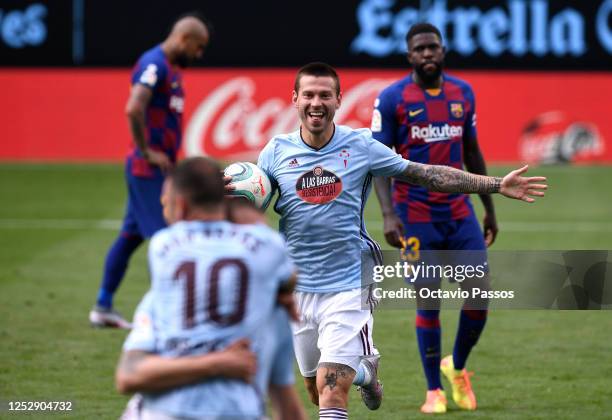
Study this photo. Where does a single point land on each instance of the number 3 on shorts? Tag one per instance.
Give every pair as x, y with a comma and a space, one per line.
410, 248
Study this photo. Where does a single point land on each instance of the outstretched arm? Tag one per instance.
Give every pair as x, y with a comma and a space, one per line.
139, 371
446, 179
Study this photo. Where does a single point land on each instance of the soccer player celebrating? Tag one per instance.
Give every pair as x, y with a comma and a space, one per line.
429, 117
154, 110
213, 282
323, 173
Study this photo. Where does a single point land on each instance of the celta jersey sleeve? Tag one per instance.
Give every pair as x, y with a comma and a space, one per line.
383, 160
265, 162
384, 122
284, 267
142, 336
282, 370
150, 71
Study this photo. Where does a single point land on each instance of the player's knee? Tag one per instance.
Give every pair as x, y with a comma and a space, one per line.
334, 382
333, 397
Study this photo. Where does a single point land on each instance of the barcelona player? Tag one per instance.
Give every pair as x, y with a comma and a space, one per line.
429, 117
154, 110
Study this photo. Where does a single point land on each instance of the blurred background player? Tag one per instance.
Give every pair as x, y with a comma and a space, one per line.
213, 282
323, 172
430, 117
154, 110
278, 349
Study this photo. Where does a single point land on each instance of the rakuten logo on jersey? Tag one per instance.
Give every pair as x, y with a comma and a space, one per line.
431, 133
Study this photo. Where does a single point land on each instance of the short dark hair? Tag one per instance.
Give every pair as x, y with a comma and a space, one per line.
199, 16
317, 69
422, 28
200, 180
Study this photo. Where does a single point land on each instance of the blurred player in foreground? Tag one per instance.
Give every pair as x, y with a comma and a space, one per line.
324, 173
213, 282
430, 117
278, 349
154, 110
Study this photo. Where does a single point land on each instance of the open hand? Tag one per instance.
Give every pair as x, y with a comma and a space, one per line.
523, 188
227, 179
393, 229
238, 361
159, 159
490, 229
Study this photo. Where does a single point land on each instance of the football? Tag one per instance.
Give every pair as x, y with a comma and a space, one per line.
250, 182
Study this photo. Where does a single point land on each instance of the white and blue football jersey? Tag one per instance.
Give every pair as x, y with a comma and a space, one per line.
212, 283
322, 196
274, 349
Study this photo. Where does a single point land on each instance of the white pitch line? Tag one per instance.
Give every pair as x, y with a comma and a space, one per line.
60, 224
373, 225
602, 227
556, 226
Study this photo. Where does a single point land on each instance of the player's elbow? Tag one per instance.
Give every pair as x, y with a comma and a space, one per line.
126, 383
134, 110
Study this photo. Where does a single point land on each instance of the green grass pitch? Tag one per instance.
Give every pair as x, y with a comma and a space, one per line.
57, 221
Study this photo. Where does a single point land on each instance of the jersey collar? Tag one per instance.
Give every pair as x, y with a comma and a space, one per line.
320, 148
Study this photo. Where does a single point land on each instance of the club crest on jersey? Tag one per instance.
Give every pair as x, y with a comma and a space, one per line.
318, 186
344, 155
456, 109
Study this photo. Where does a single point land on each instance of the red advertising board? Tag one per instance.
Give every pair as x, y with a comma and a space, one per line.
60, 114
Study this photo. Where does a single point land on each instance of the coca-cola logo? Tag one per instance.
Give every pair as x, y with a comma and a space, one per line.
552, 137
229, 123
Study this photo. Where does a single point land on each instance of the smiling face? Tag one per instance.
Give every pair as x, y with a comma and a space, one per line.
426, 56
316, 101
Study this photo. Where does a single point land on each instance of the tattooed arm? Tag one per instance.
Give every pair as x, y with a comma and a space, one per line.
446, 179
139, 371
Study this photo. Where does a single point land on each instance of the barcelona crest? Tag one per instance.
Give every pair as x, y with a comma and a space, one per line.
456, 109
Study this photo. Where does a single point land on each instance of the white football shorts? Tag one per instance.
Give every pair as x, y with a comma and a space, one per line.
333, 328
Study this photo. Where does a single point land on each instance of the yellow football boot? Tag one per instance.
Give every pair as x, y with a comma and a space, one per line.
435, 402
463, 395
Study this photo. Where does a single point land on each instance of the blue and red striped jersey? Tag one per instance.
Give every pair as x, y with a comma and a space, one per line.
427, 126
164, 113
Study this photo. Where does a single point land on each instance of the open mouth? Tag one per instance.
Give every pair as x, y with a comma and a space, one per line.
316, 115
